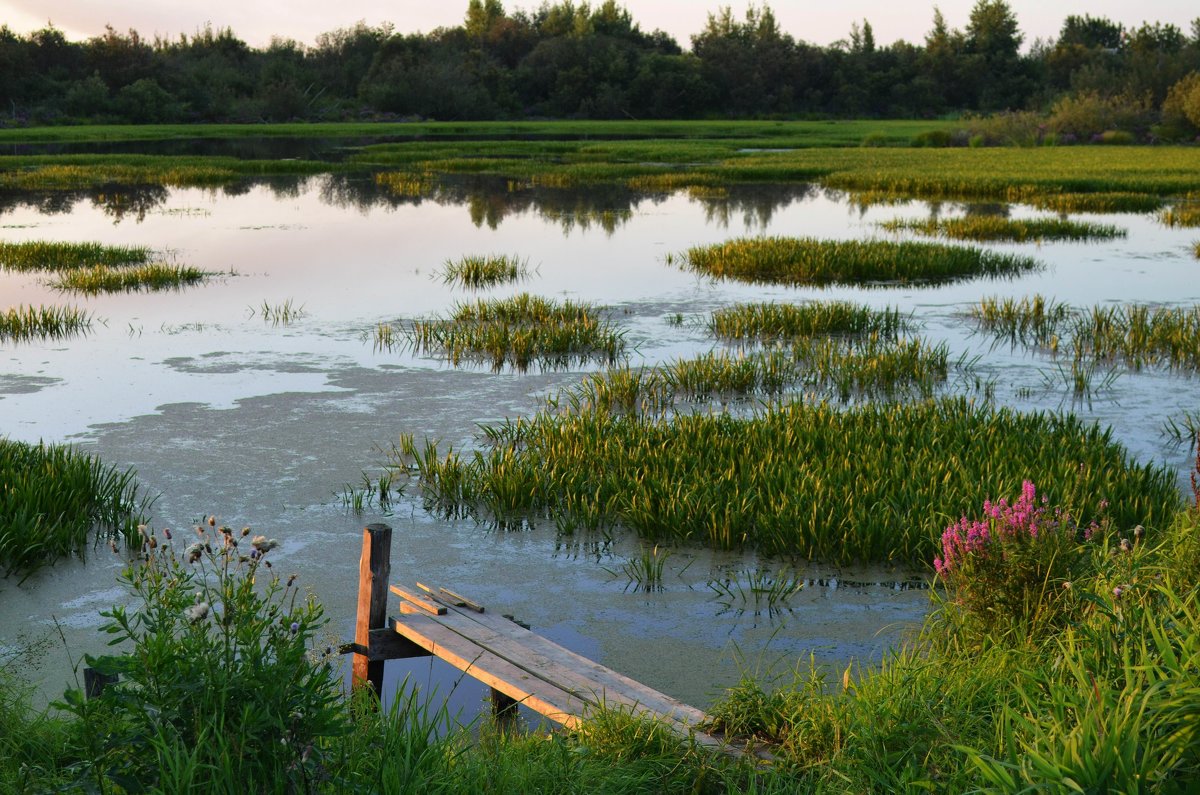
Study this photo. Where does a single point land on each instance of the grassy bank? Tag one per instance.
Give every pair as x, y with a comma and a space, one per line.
1076, 666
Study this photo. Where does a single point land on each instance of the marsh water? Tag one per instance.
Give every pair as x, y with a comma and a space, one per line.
223, 411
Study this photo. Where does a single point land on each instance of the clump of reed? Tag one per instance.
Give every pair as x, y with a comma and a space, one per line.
281, 314
842, 369
154, 276
808, 261
984, 228
793, 479
644, 572
43, 255
23, 323
479, 271
1185, 214
1132, 334
757, 589
774, 321
53, 497
1029, 321
519, 332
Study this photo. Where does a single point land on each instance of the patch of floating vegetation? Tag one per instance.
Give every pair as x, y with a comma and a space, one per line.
479, 271
1196, 249
985, 228
1135, 335
42, 255
52, 497
776, 321
808, 261
758, 589
154, 276
24, 323
519, 331
794, 479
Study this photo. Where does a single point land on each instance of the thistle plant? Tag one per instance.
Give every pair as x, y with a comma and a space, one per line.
218, 684
1013, 567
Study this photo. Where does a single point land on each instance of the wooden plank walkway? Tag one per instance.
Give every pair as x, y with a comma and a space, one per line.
520, 666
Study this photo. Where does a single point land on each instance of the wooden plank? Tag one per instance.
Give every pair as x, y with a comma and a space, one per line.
474, 607
374, 568
419, 601
499, 674
450, 598
546, 667
601, 676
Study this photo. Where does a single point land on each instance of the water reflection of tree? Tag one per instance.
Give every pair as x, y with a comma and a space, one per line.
756, 204
608, 206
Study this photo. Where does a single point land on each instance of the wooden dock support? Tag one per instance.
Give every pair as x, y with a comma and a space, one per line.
374, 568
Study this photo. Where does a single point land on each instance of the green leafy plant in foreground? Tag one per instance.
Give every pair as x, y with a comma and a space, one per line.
219, 683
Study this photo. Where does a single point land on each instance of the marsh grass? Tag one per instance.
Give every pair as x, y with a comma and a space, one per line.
645, 571
152, 277
795, 479
282, 314
413, 185
808, 261
775, 321
758, 589
42, 255
52, 498
480, 271
73, 172
24, 323
1135, 335
1029, 321
1184, 430
842, 369
519, 332
985, 228
1183, 214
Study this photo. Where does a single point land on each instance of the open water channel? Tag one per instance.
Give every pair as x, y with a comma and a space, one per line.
222, 412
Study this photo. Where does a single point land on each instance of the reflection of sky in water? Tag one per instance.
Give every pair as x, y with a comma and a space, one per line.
220, 411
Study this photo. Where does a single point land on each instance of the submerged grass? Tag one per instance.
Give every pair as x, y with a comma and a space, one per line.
42, 255
518, 332
479, 271
23, 323
985, 228
53, 497
154, 276
796, 479
808, 261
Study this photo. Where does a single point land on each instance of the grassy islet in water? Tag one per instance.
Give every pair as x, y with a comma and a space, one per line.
986, 228
809, 261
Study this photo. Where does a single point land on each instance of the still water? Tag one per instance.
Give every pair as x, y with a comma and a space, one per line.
222, 412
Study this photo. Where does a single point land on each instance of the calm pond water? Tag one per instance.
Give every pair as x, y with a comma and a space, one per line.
223, 412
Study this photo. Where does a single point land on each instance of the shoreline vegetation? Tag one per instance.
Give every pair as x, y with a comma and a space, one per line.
1064, 642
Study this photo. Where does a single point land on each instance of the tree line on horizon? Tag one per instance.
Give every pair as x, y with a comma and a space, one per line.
575, 60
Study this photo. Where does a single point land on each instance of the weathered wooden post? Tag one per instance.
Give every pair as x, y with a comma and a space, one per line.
374, 568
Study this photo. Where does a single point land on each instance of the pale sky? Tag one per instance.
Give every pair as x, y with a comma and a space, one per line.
255, 21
